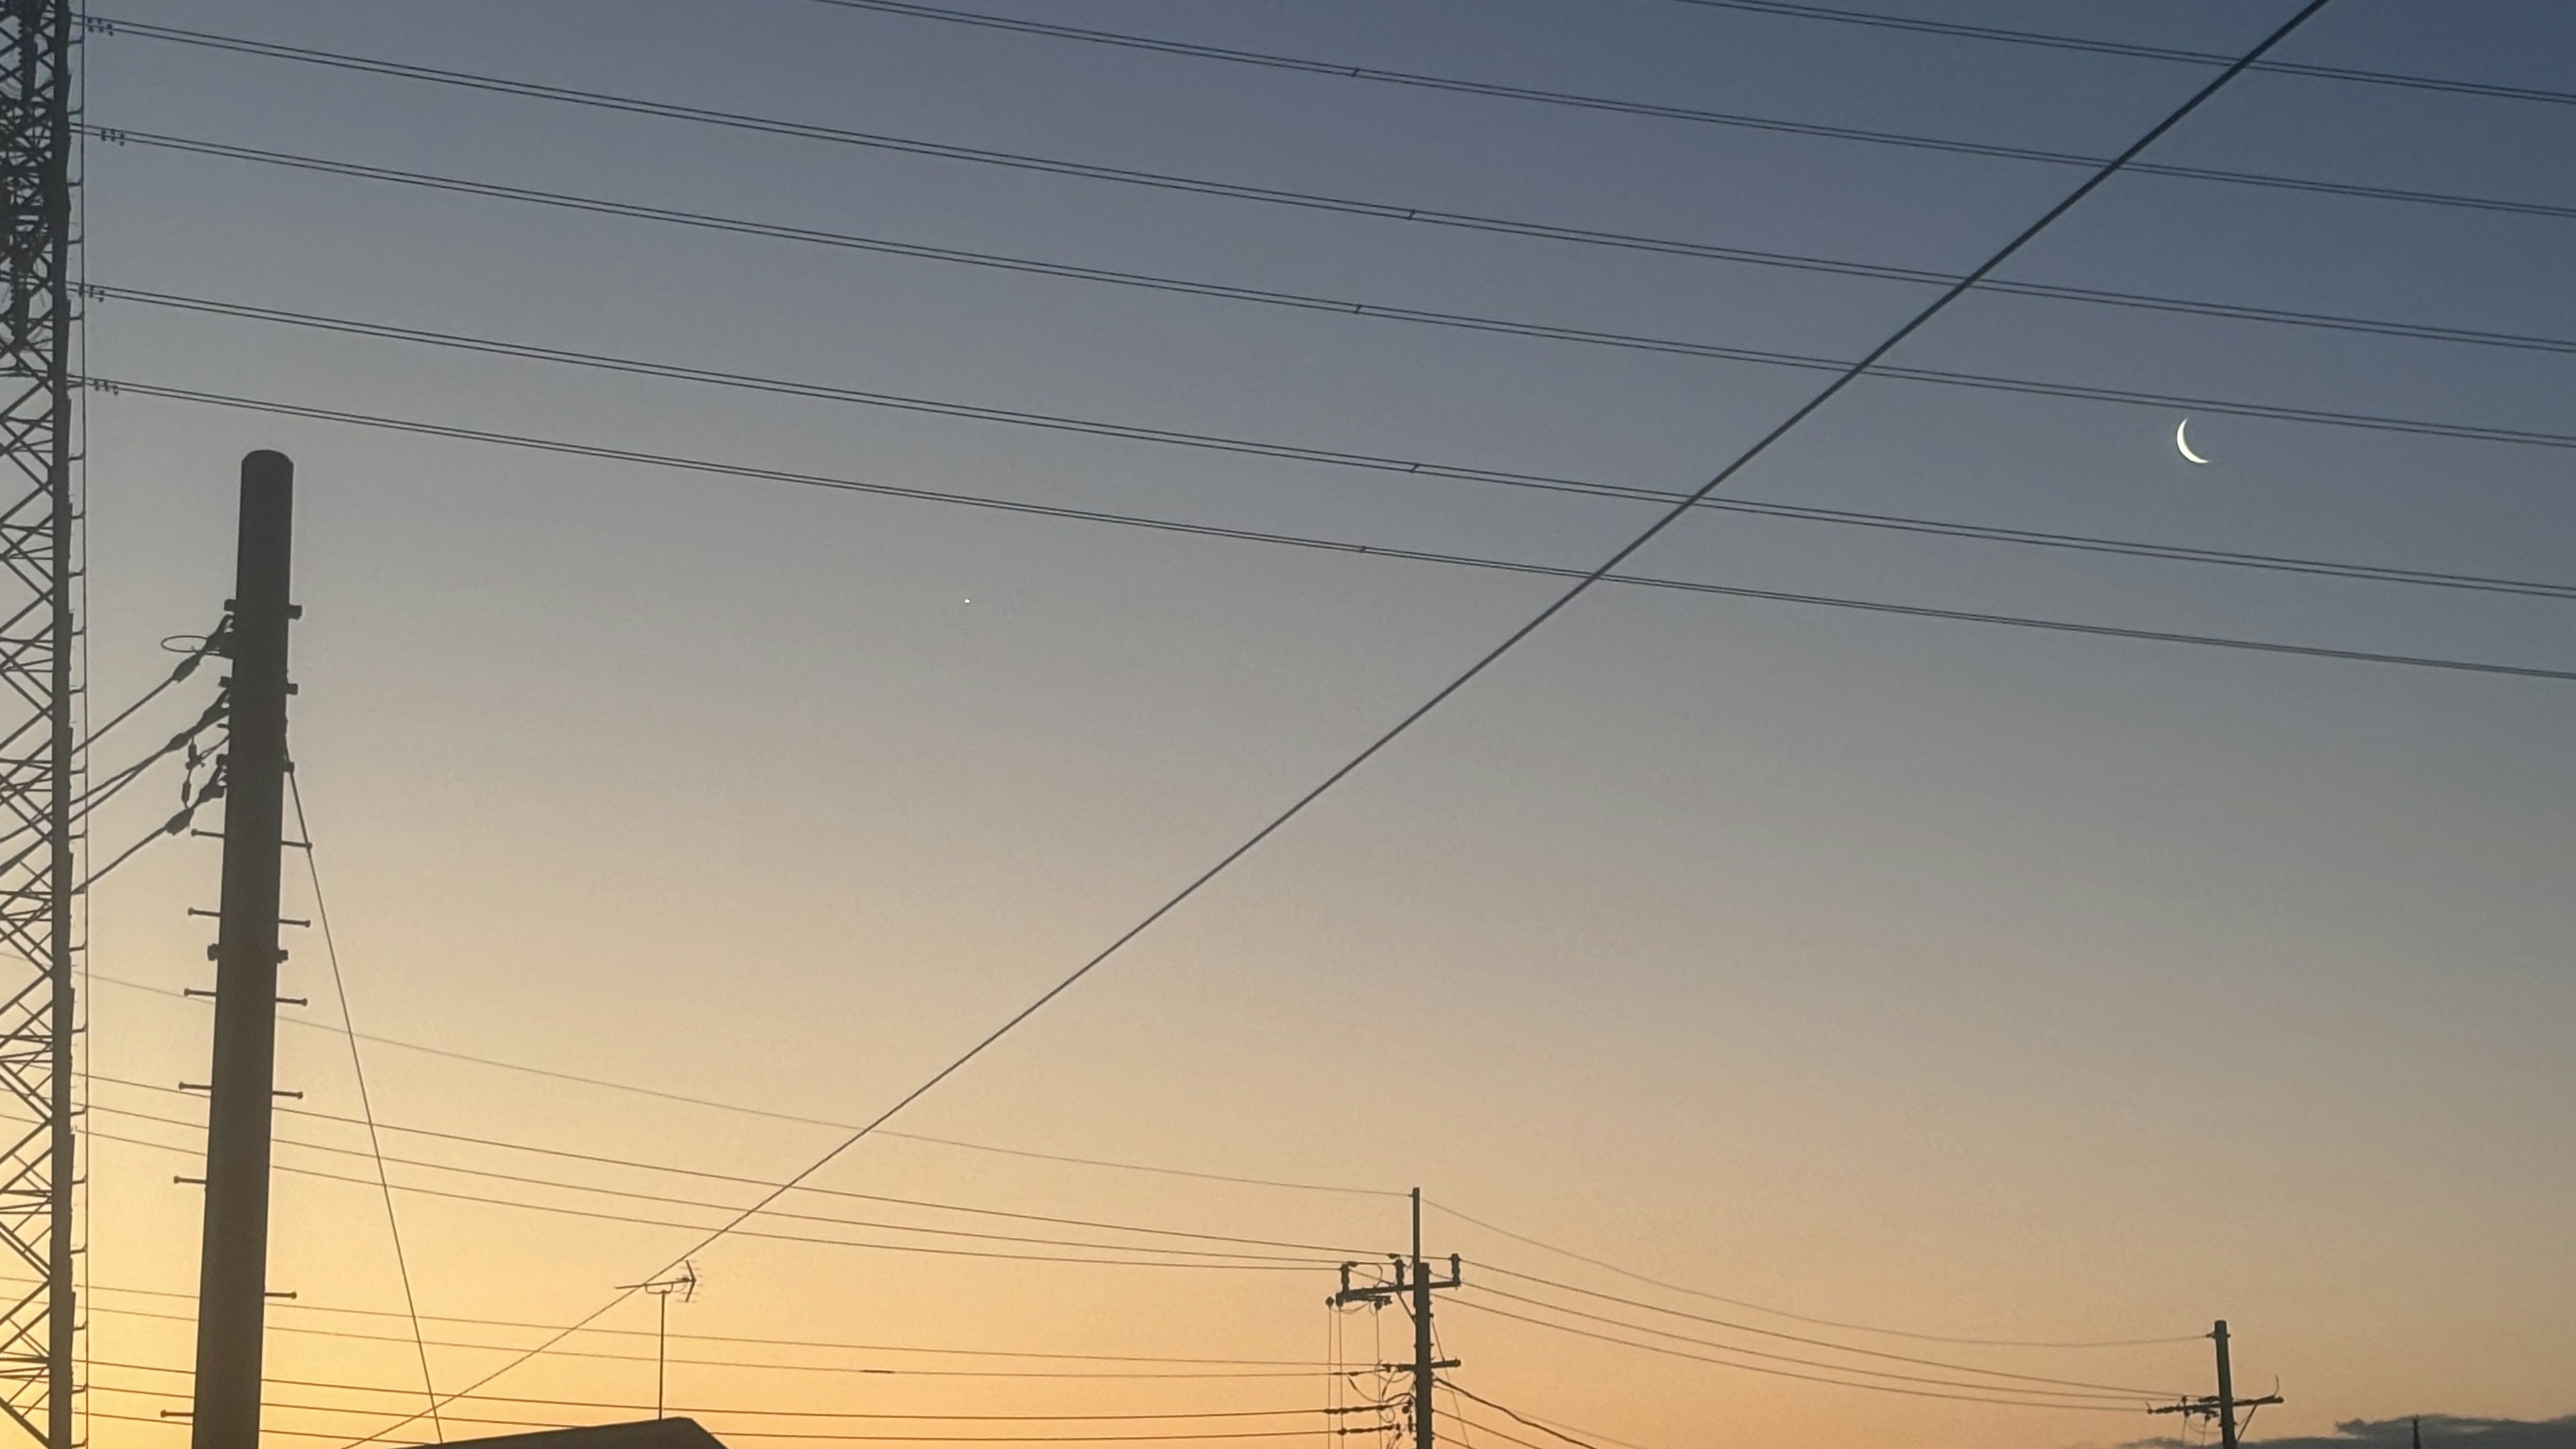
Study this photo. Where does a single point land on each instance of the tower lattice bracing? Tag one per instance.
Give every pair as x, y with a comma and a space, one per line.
39, 684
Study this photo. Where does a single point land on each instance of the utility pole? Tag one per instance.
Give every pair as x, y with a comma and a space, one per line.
232, 1280
1412, 1281
2221, 1406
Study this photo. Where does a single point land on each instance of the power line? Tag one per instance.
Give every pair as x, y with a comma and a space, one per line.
1841, 517
624, 1162
366, 1102
1333, 457
188, 661
732, 1411
1443, 694
1911, 1393
1610, 1267
102, 791
844, 1345
1337, 1254
210, 790
1123, 1437
265, 1430
1517, 1417
1455, 85
681, 1098
1225, 291
1441, 1435
1042, 510
1137, 1374
861, 1438
1089, 171
1198, 1258
2047, 40
2047, 1387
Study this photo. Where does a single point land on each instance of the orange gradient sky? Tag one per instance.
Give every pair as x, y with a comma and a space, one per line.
1968, 982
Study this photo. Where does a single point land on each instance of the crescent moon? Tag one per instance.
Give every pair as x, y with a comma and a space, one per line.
2183, 443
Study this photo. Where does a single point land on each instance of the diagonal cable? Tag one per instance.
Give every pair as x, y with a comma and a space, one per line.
1516, 1416
366, 1106
1469, 675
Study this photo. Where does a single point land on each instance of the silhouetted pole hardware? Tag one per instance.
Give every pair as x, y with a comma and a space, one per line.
232, 1279
1413, 1286
2222, 1406
684, 1283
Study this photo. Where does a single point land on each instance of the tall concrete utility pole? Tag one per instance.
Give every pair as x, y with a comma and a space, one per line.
40, 684
2221, 1406
1413, 1281
232, 1280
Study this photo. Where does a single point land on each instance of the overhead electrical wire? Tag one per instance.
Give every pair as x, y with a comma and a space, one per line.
1226, 291
1563, 1432
1438, 697
1142, 1256
1629, 1273
1375, 463
600, 1159
1458, 1415
1089, 171
1479, 1222
2052, 41
1630, 106
2043, 1385
1517, 1417
1490, 1267
607, 453
1132, 432
264, 1429
102, 791
188, 661
728, 1412
96, 791
210, 790
684, 1099
1306, 1374
756, 1434
739, 1433
840, 1345
523, 1179
1767, 1372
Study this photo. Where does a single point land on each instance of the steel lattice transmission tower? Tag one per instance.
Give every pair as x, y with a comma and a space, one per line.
39, 697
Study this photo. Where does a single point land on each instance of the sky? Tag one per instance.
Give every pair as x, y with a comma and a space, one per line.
1967, 981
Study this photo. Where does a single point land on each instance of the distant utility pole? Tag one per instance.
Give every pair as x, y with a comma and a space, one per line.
232, 1279
2221, 1406
1417, 1285
684, 1283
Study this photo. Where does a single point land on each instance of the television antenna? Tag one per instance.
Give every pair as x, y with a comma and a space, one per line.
685, 1284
